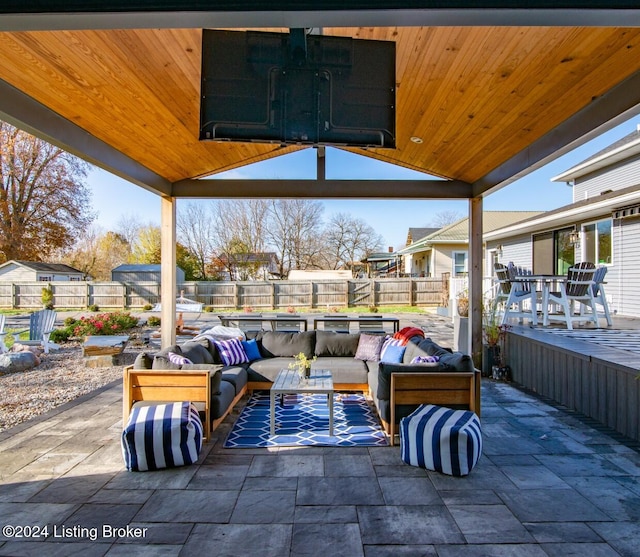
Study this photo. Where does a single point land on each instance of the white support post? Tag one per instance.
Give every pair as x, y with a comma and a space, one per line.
168, 271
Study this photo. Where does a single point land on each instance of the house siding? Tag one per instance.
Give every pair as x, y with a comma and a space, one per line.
518, 250
616, 177
17, 273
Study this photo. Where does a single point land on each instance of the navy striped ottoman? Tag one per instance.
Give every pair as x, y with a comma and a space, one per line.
441, 439
162, 436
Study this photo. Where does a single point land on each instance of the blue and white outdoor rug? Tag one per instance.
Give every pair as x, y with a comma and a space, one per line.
304, 420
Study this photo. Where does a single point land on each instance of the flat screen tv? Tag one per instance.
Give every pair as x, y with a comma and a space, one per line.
293, 88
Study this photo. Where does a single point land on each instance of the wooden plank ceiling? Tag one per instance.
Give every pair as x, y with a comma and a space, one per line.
476, 96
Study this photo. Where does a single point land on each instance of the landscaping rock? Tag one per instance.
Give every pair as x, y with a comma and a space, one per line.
11, 362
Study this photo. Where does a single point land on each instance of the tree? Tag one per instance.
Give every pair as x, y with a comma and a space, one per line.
188, 262
196, 231
348, 239
44, 201
295, 233
146, 247
444, 218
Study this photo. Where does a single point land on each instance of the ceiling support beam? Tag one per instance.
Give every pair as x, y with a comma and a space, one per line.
604, 113
322, 189
29, 115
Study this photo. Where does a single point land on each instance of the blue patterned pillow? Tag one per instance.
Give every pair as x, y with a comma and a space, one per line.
231, 352
178, 359
392, 351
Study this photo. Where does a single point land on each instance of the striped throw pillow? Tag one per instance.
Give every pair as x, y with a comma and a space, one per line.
231, 351
178, 359
162, 436
441, 439
425, 360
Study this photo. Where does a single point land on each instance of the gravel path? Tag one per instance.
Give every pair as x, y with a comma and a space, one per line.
61, 376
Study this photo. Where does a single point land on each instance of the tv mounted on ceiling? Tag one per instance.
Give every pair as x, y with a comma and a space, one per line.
297, 88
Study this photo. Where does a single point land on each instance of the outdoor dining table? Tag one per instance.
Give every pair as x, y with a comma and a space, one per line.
543, 287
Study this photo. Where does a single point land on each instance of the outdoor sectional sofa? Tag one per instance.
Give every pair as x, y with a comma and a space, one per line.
449, 381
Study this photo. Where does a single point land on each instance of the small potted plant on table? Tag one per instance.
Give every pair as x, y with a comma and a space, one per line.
302, 365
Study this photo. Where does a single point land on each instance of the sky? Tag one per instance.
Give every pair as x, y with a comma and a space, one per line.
114, 198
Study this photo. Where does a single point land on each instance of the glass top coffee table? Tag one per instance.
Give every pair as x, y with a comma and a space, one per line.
288, 381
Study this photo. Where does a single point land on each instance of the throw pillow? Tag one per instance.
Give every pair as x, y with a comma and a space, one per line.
369, 347
231, 351
251, 349
178, 359
392, 351
425, 359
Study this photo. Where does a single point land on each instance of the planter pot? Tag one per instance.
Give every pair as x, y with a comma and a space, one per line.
501, 373
461, 334
490, 359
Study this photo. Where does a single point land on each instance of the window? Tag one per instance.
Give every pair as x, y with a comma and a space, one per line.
459, 259
596, 242
564, 250
45, 278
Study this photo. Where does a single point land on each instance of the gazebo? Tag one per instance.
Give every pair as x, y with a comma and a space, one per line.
485, 93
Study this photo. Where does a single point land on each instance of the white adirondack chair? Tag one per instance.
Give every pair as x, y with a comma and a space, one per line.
41, 325
3, 346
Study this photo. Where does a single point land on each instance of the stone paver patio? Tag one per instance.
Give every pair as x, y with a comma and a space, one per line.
548, 483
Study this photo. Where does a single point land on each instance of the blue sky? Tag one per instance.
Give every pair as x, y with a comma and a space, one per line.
114, 197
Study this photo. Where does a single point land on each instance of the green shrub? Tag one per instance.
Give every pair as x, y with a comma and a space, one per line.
47, 297
94, 307
373, 309
208, 309
105, 324
70, 321
147, 307
153, 321
61, 335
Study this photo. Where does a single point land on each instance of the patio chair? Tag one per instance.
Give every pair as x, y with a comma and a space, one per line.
599, 295
41, 325
281, 323
337, 325
369, 326
576, 288
3, 346
515, 293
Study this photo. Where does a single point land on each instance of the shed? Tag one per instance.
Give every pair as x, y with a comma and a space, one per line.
27, 271
141, 273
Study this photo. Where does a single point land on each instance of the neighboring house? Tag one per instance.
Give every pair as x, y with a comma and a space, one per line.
446, 250
27, 271
380, 264
141, 273
602, 225
249, 266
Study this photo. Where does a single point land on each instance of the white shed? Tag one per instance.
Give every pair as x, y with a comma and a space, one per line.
29, 271
141, 273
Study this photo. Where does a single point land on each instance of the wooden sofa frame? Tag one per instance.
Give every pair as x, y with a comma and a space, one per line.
441, 388
174, 385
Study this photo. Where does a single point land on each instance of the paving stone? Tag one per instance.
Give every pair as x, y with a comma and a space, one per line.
28, 514
54, 549
489, 524
93, 515
570, 532
400, 551
533, 477
326, 539
76, 489
119, 550
175, 534
118, 496
267, 484
545, 505
408, 525
409, 491
235, 540
183, 506
264, 507
321, 514
622, 536
479, 497
579, 550
348, 465
222, 477
581, 465
171, 478
604, 493
299, 464
491, 550
337, 491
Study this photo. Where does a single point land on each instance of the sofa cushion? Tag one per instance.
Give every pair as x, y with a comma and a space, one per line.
197, 352
267, 369
162, 362
276, 344
143, 360
221, 401
369, 347
330, 343
178, 359
344, 369
237, 376
423, 347
457, 361
231, 351
215, 375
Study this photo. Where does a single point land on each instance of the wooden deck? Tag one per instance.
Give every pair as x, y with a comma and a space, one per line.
594, 379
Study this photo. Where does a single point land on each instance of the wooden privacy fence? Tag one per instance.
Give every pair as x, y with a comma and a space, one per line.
220, 295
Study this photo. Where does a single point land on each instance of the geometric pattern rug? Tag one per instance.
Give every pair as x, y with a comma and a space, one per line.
303, 420
628, 340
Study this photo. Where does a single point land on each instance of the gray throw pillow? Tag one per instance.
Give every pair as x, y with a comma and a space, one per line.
369, 347
275, 344
341, 345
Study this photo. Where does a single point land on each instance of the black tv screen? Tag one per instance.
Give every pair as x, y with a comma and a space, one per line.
290, 88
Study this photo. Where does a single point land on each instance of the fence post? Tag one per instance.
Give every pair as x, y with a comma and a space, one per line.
87, 294
372, 291
14, 299
273, 295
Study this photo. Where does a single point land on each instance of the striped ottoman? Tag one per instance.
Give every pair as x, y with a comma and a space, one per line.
441, 439
162, 436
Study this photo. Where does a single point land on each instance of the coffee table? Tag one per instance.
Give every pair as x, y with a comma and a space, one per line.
288, 381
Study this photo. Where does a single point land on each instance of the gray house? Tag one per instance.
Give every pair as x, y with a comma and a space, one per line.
141, 273
602, 225
27, 271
